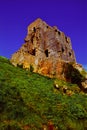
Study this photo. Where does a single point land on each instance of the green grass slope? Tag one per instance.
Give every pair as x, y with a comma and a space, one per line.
28, 101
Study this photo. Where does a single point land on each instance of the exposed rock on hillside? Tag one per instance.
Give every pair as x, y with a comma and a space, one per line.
46, 49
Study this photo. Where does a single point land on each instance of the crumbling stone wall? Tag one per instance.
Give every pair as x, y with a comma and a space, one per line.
46, 48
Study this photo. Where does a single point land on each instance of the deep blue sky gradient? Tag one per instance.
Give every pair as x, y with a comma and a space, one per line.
70, 16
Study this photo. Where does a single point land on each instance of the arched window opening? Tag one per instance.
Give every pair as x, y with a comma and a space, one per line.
46, 52
69, 53
34, 29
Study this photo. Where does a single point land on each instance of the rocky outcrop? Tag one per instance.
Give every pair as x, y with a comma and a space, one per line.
82, 76
84, 86
46, 49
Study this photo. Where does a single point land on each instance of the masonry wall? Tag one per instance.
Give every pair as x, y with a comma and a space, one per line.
45, 47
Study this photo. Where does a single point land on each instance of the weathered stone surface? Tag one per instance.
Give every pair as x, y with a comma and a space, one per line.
46, 48
84, 86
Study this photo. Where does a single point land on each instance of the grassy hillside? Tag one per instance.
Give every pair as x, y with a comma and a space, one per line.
29, 101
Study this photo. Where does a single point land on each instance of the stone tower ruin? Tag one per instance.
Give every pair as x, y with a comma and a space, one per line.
46, 49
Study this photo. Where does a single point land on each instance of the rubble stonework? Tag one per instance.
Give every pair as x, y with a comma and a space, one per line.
46, 48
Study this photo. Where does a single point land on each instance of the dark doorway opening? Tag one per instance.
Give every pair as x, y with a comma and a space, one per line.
46, 52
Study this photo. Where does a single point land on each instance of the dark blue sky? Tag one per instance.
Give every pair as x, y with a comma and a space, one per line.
70, 16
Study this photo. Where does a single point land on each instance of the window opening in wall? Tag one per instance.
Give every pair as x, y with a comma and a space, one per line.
62, 49
66, 39
59, 32
69, 53
34, 29
55, 30
46, 52
33, 52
